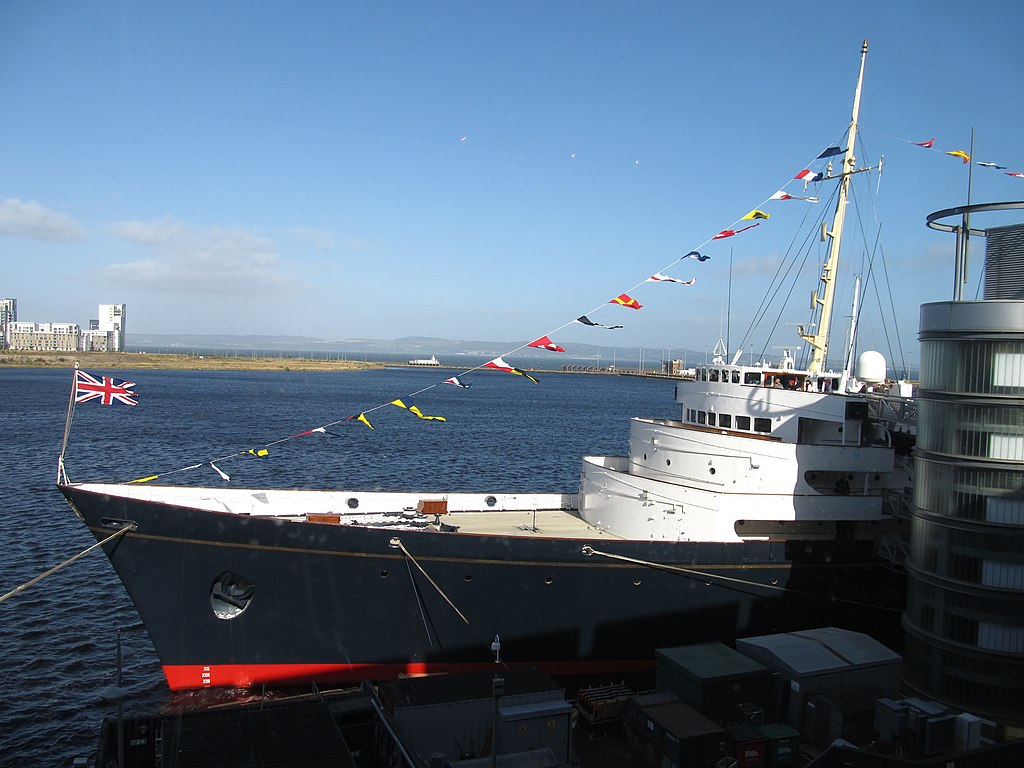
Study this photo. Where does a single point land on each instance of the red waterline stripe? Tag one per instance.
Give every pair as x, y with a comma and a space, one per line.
187, 676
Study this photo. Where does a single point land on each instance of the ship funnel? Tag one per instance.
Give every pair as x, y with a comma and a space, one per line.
870, 367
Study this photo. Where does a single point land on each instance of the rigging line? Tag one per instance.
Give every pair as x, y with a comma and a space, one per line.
870, 281
879, 250
779, 281
767, 298
704, 576
419, 603
396, 542
67, 562
789, 295
892, 309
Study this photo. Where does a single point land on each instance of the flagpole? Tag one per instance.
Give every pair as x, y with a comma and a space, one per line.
62, 477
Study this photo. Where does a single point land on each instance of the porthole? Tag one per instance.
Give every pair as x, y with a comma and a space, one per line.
712, 470
490, 501
353, 503
637, 582
548, 580
468, 577
668, 462
383, 574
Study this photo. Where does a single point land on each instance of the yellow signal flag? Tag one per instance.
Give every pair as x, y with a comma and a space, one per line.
413, 409
961, 154
257, 452
755, 214
144, 479
362, 417
416, 411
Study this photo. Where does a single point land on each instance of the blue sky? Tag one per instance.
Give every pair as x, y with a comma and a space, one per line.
474, 170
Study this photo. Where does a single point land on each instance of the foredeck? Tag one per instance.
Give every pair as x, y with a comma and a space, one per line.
542, 524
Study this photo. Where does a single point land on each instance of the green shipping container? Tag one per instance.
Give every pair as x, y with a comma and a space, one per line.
783, 744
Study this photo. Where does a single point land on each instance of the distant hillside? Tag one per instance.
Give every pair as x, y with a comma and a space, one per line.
406, 347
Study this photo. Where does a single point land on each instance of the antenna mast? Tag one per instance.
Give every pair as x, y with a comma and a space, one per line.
819, 341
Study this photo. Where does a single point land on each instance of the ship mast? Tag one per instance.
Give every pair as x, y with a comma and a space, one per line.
824, 297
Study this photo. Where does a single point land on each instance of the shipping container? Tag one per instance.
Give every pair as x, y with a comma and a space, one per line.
783, 744
748, 746
668, 733
827, 660
713, 678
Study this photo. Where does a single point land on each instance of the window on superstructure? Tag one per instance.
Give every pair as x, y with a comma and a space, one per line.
713, 375
762, 425
725, 376
702, 417
752, 377
703, 374
711, 419
743, 422
725, 420
735, 377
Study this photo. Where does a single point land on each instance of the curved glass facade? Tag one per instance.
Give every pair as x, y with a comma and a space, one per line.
965, 603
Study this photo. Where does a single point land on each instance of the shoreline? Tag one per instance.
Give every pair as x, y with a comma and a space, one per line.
17, 358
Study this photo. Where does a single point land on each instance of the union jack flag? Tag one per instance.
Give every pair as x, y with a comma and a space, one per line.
88, 387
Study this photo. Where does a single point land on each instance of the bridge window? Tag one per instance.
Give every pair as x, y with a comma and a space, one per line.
725, 420
735, 377
701, 417
752, 377
711, 419
713, 375
743, 422
762, 425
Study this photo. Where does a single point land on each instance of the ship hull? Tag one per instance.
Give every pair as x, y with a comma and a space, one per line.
336, 602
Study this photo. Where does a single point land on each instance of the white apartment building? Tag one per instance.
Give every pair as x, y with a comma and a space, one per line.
8, 315
106, 334
112, 319
59, 337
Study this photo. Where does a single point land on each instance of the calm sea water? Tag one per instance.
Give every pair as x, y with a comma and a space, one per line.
58, 665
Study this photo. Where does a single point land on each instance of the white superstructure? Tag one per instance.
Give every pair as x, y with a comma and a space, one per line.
755, 447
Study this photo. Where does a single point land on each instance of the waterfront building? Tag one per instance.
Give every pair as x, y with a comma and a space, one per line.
112, 319
105, 334
8, 315
95, 340
49, 337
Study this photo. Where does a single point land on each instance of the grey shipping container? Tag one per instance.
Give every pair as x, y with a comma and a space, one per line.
713, 678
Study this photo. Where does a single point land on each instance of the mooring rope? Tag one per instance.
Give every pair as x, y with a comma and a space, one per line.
396, 542
706, 577
67, 562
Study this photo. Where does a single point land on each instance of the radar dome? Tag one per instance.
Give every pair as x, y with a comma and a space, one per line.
870, 367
